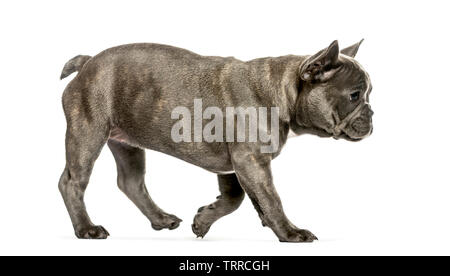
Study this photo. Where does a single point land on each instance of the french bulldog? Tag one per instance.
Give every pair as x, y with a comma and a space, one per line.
123, 97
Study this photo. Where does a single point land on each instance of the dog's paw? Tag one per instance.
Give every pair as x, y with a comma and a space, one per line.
203, 220
200, 228
166, 221
299, 235
92, 232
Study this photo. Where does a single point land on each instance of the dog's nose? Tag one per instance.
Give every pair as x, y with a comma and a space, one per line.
368, 110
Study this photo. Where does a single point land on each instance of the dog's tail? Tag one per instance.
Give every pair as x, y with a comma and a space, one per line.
74, 65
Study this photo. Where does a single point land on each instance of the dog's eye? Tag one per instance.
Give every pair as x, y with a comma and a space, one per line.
354, 96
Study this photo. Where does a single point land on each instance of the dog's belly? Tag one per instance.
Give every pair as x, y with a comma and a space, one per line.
213, 157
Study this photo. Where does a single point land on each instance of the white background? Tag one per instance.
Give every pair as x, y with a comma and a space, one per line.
386, 195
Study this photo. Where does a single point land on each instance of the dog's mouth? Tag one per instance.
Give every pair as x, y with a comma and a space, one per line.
324, 133
345, 136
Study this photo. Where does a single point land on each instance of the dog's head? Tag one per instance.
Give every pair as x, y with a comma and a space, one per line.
334, 95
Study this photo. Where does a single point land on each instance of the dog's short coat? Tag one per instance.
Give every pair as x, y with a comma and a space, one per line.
124, 97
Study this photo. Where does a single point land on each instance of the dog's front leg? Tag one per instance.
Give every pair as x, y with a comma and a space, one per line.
255, 176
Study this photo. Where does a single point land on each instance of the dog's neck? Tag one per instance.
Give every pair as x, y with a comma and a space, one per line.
277, 82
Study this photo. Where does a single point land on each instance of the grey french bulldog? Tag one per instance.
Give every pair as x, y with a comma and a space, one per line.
123, 97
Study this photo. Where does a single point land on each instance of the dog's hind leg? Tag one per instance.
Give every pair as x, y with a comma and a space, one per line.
230, 198
84, 141
130, 178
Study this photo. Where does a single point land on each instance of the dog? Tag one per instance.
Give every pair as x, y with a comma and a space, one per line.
123, 97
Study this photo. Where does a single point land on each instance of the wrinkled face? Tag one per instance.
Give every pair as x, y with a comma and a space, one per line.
334, 99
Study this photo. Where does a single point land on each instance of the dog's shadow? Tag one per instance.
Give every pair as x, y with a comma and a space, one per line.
194, 239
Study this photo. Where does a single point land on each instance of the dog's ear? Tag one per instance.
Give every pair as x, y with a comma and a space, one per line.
321, 66
352, 50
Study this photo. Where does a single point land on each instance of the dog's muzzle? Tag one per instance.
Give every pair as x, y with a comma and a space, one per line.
341, 125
